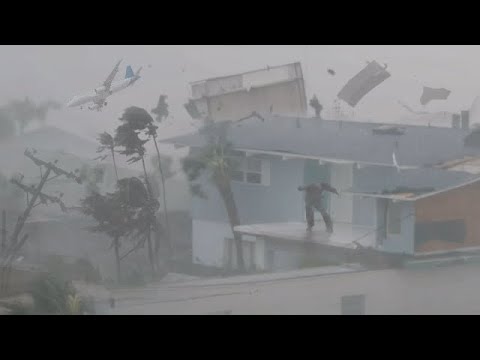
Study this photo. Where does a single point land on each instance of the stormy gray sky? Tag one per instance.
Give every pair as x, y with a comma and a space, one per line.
59, 72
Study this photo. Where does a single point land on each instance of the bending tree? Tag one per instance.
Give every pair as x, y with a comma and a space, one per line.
107, 143
215, 161
127, 137
114, 217
139, 120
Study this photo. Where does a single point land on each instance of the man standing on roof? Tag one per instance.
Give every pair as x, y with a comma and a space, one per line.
313, 199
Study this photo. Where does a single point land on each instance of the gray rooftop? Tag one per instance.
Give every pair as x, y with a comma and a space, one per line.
342, 140
417, 182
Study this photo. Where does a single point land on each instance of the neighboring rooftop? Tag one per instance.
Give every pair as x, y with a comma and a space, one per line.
412, 184
349, 141
53, 139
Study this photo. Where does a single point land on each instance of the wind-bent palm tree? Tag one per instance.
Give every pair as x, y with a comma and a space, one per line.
140, 120
107, 143
215, 160
127, 136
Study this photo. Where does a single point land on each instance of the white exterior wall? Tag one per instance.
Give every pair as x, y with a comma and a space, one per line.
341, 207
403, 243
279, 90
213, 245
208, 242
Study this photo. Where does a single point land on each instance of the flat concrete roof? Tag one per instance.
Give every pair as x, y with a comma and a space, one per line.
343, 235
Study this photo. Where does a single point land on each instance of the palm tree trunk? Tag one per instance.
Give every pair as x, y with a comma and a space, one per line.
151, 257
116, 244
150, 251
227, 196
167, 226
114, 163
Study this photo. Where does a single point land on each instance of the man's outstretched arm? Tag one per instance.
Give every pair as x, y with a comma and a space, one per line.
329, 188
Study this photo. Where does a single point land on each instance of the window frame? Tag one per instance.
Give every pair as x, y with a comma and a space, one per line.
243, 161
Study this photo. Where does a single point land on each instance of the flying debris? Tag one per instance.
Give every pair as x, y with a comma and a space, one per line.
411, 110
192, 109
331, 72
362, 83
430, 94
107, 89
161, 111
395, 163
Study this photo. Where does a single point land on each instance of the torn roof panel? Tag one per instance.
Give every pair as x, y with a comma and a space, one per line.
430, 94
410, 184
246, 81
342, 140
362, 83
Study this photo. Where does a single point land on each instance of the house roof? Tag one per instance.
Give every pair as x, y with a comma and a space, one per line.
245, 73
349, 141
413, 184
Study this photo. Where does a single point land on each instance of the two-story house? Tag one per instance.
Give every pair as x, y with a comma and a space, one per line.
395, 195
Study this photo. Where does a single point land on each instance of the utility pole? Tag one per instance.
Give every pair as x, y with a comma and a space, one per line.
8, 250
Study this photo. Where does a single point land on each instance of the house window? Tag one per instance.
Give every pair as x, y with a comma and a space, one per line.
250, 170
394, 219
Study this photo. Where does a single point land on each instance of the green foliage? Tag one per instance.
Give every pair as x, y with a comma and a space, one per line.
127, 135
128, 138
107, 143
136, 118
127, 211
216, 160
52, 296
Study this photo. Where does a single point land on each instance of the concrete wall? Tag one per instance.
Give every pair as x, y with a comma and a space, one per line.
402, 243
208, 242
278, 202
285, 98
279, 90
364, 209
370, 212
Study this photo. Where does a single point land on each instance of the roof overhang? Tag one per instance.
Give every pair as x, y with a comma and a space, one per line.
412, 196
285, 155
